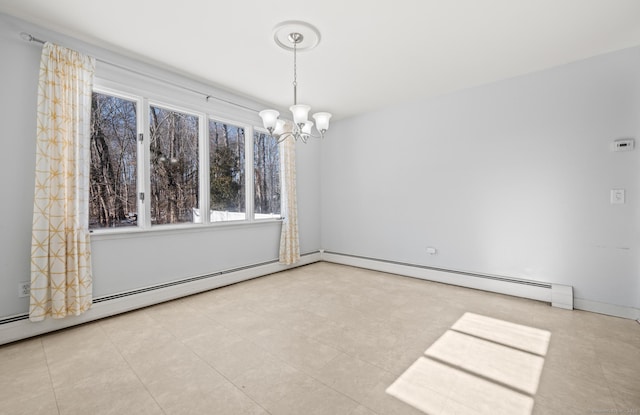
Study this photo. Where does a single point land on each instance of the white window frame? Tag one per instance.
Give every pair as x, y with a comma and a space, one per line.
147, 148
143, 103
248, 168
140, 156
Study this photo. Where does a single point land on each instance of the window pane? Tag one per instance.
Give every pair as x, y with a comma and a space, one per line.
112, 191
174, 166
266, 162
226, 171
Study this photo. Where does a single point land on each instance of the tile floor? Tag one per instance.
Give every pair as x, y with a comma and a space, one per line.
320, 339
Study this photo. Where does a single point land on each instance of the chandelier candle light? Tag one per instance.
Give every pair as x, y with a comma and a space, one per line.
294, 36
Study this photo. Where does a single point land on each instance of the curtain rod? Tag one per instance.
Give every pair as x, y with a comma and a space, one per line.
29, 38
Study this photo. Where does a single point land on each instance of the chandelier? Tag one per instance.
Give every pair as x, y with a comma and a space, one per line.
295, 36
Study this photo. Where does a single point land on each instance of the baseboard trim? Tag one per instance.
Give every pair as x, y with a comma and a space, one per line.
560, 296
19, 327
534, 290
608, 309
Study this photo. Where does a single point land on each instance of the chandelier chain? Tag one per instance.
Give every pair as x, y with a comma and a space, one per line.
295, 74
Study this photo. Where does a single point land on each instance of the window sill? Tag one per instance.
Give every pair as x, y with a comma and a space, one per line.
158, 230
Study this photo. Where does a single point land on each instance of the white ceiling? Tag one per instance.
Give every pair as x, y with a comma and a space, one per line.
372, 53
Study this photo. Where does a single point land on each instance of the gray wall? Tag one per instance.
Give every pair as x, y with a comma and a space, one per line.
511, 178
129, 261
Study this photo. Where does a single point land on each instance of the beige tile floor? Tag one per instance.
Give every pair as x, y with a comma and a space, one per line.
320, 339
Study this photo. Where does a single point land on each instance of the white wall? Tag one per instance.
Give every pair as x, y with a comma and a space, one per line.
511, 178
125, 262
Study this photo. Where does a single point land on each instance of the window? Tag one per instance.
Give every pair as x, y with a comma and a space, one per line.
174, 165
112, 182
226, 172
266, 161
190, 162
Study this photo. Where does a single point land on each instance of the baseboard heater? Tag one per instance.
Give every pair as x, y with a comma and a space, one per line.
18, 327
557, 294
179, 282
98, 300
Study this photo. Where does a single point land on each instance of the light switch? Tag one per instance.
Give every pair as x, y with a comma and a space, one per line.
617, 196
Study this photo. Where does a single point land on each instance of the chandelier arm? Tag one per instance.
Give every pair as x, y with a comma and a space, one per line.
315, 136
284, 136
310, 135
297, 136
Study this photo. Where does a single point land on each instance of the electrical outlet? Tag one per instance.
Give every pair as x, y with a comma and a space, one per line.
24, 288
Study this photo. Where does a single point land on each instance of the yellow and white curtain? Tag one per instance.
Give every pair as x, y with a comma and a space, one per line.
289, 245
61, 281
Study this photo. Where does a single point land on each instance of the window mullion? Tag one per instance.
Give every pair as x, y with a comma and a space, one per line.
249, 174
144, 163
205, 190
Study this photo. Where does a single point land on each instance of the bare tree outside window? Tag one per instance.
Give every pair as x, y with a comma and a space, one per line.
174, 166
266, 161
226, 171
113, 172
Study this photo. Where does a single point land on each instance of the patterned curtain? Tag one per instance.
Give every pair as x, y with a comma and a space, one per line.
61, 282
289, 245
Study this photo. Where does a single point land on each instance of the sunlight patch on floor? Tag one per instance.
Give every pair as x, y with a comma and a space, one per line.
480, 366
518, 336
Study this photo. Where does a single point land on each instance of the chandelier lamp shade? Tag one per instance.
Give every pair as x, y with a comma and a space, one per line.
295, 36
